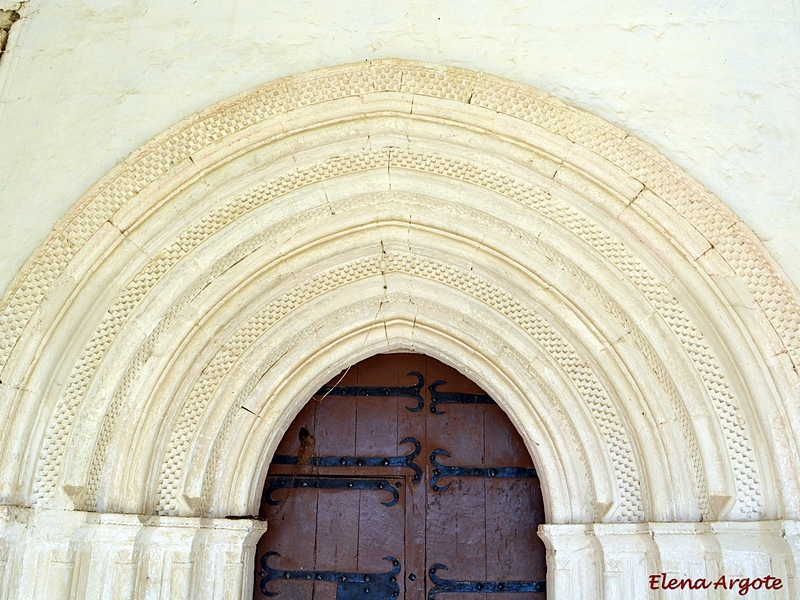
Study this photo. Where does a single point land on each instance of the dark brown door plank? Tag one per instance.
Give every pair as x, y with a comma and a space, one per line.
482, 528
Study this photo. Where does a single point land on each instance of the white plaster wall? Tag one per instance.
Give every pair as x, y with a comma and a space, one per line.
714, 85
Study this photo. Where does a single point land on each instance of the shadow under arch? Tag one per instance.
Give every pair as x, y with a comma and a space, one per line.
566, 482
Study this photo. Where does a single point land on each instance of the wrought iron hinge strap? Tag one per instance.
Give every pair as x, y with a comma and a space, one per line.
412, 391
440, 470
454, 398
331, 483
444, 586
406, 462
349, 586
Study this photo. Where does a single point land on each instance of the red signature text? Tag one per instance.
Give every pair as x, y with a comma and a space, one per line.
743, 585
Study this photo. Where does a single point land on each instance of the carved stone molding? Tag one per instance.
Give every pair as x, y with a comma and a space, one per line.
614, 291
88, 555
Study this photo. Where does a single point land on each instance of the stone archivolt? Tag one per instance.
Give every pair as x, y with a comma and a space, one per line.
156, 347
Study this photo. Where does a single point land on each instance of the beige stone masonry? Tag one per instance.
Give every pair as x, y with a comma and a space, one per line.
90, 555
156, 347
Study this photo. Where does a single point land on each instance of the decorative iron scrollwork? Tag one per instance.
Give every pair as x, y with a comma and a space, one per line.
454, 398
444, 586
440, 470
412, 391
406, 461
331, 483
349, 586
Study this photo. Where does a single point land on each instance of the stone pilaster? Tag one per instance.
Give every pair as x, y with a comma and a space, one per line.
573, 570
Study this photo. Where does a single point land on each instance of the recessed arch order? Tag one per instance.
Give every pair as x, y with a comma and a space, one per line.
641, 339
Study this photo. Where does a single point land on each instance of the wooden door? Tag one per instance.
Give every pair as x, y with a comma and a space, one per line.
401, 479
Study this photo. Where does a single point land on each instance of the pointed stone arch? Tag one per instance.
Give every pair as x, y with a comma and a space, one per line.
644, 343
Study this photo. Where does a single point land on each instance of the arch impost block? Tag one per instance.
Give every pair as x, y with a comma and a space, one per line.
84, 554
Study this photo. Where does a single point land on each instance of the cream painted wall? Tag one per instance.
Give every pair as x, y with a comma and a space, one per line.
715, 86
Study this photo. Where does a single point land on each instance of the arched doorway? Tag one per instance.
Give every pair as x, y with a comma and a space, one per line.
401, 478
159, 344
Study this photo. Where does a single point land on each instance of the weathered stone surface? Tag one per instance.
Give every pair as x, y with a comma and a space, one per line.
92, 81
60, 555
637, 334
